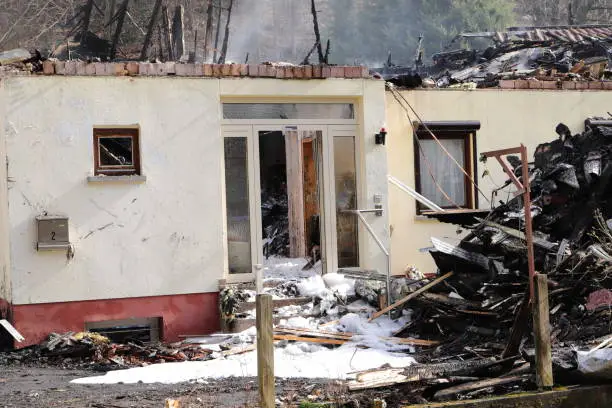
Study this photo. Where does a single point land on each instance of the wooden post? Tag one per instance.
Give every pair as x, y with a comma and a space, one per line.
265, 350
541, 331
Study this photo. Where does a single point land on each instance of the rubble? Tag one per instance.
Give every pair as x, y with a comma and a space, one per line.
90, 349
547, 56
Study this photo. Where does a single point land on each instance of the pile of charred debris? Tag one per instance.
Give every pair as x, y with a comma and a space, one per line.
557, 54
485, 326
96, 351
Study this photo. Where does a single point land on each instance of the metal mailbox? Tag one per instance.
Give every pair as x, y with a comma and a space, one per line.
52, 232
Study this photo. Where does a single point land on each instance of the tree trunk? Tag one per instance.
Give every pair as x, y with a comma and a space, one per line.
178, 32
315, 21
85, 21
150, 28
120, 20
226, 36
167, 33
208, 32
217, 30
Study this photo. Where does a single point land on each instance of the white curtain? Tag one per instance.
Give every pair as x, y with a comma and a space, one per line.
448, 176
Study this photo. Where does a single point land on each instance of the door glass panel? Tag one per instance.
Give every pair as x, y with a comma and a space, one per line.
288, 111
345, 176
237, 205
273, 184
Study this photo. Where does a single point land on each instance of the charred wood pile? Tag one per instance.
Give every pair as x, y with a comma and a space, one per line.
479, 310
90, 349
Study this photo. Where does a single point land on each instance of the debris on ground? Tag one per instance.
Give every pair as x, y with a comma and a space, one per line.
546, 56
93, 349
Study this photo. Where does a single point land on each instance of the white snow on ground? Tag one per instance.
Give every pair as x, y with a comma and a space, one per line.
295, 360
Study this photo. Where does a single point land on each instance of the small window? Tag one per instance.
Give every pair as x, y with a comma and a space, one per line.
116, 152
431, 162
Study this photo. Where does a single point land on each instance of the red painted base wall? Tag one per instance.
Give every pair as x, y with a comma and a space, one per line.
181, 314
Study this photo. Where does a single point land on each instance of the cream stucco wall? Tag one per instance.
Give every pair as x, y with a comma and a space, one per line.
166, 235
5, 266
508, 118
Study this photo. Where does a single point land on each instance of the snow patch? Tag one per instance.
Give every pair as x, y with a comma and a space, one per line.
294, 361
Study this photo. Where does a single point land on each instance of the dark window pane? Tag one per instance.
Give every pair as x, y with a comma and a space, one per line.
116, 151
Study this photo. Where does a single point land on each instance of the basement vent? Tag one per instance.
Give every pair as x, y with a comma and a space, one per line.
142, 330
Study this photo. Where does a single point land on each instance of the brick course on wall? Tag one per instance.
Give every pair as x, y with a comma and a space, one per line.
548, 85
202, 70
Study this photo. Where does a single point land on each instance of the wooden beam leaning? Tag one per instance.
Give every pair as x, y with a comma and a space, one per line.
411, 296
265, 350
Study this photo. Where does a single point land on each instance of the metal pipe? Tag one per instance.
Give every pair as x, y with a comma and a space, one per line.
371, 210
380, 245
421, 199
528, 223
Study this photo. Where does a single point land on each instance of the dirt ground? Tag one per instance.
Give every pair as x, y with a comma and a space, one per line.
27, 386
50, 387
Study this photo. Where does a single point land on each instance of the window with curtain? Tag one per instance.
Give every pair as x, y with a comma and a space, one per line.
437, 177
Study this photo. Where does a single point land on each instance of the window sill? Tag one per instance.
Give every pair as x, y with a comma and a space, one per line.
133, 179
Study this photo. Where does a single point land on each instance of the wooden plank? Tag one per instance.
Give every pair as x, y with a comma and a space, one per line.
411, 296
378, 378
314, 333
238, 350
411, 341
541, 331
476, 385
11, 330
265, 351
518, 327
120, 20
295, 194
292, 337
329, 323
447, 300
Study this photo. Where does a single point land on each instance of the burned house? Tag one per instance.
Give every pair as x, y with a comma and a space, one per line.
131, 190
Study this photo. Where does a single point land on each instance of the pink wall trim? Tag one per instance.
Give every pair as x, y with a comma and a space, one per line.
181, 314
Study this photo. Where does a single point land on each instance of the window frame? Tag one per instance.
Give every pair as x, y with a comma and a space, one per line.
450, 131
117, 170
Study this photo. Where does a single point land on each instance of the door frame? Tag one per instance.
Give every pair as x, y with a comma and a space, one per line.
250, 130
